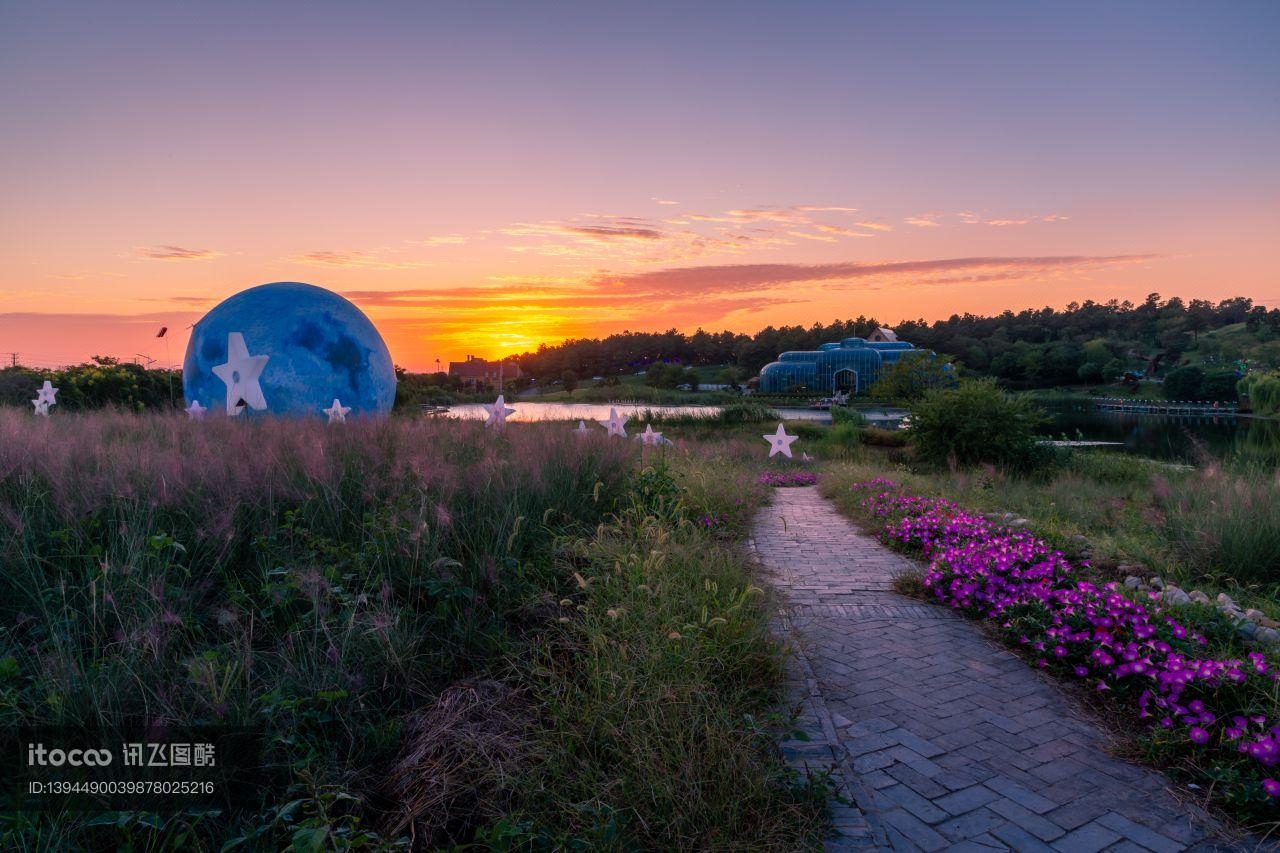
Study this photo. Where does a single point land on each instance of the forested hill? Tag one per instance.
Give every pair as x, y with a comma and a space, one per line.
1087, 341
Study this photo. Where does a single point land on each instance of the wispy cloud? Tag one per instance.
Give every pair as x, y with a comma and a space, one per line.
380, 259
970, 218
841, 230
657, 200
441, 240
738, 277
84, 276
872, 225
174, 253
924, 220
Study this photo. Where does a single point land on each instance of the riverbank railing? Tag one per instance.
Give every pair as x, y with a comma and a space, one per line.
1175, 408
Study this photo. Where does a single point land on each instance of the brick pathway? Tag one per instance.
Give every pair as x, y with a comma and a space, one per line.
942, 739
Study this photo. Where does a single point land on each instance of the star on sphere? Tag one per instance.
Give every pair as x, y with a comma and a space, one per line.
582, 428
498, 413
46, 394
241, 373
780, 442
42, 407
337, 412
195, 411
616, 424
649, 436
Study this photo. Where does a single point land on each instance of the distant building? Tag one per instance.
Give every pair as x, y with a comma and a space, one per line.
850, 366
480, 371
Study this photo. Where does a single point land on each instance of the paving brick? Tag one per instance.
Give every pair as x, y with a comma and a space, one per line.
916, 781
914, 830
976, 822
1041, 827
908, 799
966, 800
1019, 839
1089, 838
1024, 797
1139, 834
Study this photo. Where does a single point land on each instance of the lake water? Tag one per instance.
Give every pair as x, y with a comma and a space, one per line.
600, 411
1174, 439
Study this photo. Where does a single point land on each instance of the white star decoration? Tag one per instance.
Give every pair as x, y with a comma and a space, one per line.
616, 424
196, 411
42, 408
240, 374
498, 413
337, 412
582, 429
780, 442
46, 394
649, 436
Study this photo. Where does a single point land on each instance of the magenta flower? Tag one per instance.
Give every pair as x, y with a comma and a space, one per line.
1271, 787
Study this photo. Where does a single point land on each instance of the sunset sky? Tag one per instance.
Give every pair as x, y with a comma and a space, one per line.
481, 178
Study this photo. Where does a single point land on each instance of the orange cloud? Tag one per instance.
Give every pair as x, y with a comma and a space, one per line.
174, 253
375, 260
842, 231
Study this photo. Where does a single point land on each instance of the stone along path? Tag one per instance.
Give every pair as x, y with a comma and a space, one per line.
940, 738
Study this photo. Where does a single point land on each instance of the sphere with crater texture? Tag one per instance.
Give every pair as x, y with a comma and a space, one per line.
318, 347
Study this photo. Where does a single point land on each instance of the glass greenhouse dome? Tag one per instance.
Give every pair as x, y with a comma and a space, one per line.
851, 365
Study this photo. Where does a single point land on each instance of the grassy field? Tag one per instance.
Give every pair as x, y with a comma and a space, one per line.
1215, 527
449, 637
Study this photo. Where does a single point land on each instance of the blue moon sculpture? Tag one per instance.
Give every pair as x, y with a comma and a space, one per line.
318, 347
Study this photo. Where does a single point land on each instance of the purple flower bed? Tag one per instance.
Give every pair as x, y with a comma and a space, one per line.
790, 478
1135, 652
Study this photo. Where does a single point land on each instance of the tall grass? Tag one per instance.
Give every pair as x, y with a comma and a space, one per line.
320, 581
523, 640
1225, 522
654, 738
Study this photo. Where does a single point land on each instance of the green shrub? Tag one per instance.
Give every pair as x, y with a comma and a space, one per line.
846, 415
881, 437
747, 413
1195, 383
975, 423
1183, 383
1263, 391
845, 435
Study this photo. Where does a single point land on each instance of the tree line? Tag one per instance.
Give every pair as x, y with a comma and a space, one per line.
1089, 342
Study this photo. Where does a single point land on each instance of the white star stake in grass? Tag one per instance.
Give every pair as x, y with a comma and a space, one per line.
616, 424
46, 395
582, 428
498, 413
780, 442
649, 436
240, 374
195, 411
337, 412
42, 408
